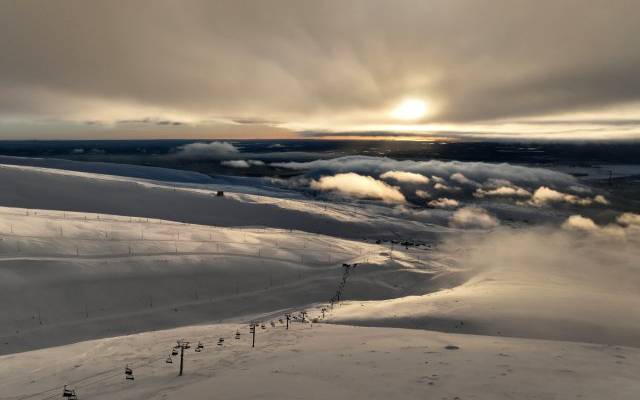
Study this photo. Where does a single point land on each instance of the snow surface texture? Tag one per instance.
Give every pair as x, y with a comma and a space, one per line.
325, 361
93, 257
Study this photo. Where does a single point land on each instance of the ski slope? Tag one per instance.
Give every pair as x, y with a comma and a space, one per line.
68, 276
100, 271
324, 361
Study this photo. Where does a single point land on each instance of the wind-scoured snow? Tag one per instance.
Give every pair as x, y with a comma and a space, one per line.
100, 271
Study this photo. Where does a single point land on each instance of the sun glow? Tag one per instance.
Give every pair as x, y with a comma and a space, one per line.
410, 109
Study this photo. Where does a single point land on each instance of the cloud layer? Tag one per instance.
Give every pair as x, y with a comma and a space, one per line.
288, 62
206, 150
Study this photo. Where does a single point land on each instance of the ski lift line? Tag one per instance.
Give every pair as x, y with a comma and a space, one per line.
83, 383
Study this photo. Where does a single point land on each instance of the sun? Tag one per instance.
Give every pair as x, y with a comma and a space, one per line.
410, 109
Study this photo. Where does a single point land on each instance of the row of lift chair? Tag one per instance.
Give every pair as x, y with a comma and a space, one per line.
70, 394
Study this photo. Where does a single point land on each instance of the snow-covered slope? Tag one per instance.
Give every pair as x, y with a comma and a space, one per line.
325, 361
53, 189
87, 258
71, 276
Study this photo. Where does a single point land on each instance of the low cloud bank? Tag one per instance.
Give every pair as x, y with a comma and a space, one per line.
626, 227
241, 163
545, 196
406, 177
359, 186
473, 217
467, 172
502, 191
512, 193
443, 202
463, 180
549, 283
206, 150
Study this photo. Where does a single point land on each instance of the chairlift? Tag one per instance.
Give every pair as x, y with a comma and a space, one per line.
200, 346
262, 326
174, 352
169, 360
220, 341
237, 334
69, 394
273, 324
281, 321
128, 373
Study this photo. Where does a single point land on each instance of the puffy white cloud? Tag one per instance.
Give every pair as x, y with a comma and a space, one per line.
445, 188
444, 202
629, 219
207, 150
502, 191
241, 163
587, 225
600, 199
545, 195
235, 163
578, 222
354, 185
463, 180
423, 194
405, 177
473, 217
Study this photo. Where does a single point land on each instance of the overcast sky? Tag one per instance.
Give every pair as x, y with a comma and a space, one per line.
236, 69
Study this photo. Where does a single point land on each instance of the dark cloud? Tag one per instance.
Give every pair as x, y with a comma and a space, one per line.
330, 61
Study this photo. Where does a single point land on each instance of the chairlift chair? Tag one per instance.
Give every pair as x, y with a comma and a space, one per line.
200, 346
281, 321
69, 394
262, 326
273, 324
174, 352
237, 334
128, 373
169, 360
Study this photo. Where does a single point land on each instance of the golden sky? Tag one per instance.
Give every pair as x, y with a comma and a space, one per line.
270, 69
